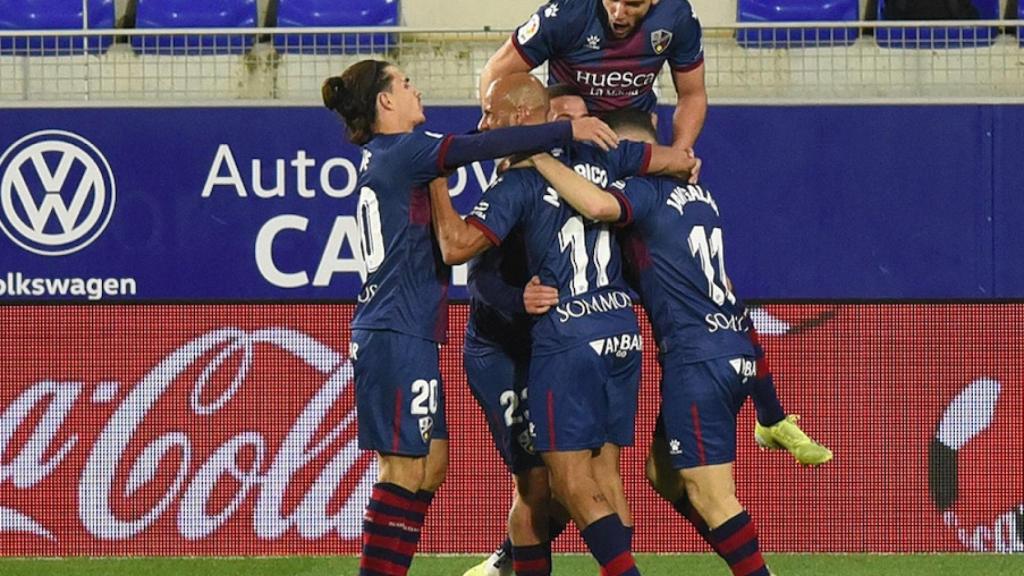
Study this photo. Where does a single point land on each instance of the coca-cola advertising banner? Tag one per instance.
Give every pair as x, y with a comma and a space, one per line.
230, 430
258, 204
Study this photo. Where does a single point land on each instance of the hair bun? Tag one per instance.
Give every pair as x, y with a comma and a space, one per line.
333, 92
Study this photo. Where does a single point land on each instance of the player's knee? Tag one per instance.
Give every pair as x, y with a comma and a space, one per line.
434, 475
533, 488
709, 498
409, 473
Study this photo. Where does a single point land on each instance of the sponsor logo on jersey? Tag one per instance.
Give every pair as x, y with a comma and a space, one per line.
594, 42
721, 321
551, 11
57, 193
660, 39
615, 79
618, 345
674, 447
744, 367
529, 30
598, 303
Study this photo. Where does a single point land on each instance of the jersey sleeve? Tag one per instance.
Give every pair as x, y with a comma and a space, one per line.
500, 208
422, 155
637, 198
629, 159
687, 51
549, 31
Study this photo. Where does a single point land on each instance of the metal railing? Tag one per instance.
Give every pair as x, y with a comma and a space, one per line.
798, 62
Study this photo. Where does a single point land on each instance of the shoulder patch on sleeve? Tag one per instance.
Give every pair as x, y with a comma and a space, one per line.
529, 30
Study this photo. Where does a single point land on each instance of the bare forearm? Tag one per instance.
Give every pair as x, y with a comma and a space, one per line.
581, 194
688, 119
671, 161
458, 240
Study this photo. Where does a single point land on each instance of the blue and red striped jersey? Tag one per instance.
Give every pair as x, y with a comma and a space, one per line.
573, 36
674, 250
566, 250
406, 284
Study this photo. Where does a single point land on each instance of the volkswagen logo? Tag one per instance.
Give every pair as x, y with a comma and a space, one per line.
57, 193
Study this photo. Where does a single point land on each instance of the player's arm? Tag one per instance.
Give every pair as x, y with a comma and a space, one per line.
671, 161
507, 60
459, 240
691, 106
589, 200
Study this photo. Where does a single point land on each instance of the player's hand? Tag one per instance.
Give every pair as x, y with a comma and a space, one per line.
538, 298
697, 163
596, 132
695, 171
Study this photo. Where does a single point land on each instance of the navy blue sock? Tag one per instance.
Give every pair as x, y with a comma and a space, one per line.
609, 544
532, 560
736, 542
762, 389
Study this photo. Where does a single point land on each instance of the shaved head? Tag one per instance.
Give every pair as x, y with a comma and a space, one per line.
515, 100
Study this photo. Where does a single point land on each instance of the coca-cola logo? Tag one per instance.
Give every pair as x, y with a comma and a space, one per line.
216, 368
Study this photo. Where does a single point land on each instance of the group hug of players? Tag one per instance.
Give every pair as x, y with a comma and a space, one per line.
552, 348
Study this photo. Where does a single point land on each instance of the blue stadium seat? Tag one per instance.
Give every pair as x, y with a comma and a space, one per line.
796, 11
943, 37
316, 13
194, 14
54, 15
1020, 29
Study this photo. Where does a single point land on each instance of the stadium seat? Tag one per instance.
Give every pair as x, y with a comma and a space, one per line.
322, 13
155, 14
796, 11
1020, 29
948, 37
54, 15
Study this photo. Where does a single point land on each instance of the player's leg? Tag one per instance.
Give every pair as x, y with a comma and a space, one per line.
497, 380
400, 404
668, 483
623, 391
700, 403
569, 411
774, 430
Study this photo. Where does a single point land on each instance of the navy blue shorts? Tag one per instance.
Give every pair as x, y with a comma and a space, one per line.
399, 393
585, 396
498, 382
699, 405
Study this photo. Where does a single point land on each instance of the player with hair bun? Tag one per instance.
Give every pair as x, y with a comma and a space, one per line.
402, 315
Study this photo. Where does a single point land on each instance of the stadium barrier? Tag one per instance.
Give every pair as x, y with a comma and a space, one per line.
230, 430
779, 62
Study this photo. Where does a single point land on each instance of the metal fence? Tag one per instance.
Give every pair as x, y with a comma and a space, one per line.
808, 62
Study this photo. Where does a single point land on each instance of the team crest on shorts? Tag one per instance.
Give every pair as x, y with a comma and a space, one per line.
660, 39
426, 427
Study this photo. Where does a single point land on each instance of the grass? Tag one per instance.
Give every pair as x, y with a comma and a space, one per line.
564, 565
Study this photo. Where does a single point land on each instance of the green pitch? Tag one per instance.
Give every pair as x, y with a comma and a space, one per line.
565, 565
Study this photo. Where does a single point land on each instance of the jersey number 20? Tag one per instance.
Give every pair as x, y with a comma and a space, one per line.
370, 234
